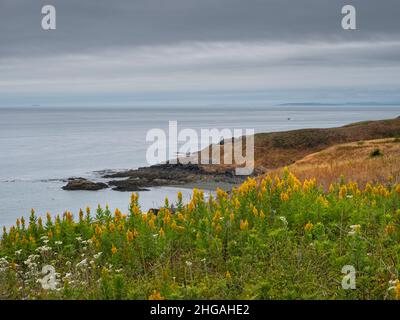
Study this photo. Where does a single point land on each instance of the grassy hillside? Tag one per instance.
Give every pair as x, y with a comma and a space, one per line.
377, 161
278, 149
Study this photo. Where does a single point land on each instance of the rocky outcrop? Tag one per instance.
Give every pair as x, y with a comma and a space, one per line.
75, 184
166, 175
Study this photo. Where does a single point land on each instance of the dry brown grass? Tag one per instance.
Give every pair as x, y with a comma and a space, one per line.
278, 149
353, 161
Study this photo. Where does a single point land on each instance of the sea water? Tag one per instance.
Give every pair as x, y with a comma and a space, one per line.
40, 147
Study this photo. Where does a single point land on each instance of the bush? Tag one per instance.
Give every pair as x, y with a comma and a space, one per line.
376, 153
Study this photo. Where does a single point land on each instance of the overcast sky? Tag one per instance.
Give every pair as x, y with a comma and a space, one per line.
128, 52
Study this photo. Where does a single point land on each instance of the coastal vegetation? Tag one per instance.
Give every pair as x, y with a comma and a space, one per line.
275, 237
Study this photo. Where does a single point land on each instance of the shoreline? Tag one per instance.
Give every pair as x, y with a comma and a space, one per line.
186, 176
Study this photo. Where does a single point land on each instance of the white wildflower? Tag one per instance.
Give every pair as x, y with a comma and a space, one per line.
284, 220
189, 263
43, 249
82, 264
355, 228
97, 255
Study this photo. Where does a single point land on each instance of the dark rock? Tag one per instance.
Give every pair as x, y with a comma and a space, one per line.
154, 210
166, 174
131, 185
84, 184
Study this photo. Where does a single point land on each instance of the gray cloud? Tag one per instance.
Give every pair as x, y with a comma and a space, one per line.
98, 24
136, 46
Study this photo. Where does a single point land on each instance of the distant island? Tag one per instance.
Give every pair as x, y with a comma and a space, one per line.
322, 104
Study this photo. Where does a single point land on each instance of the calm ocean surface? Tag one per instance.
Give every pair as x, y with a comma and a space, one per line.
41, 146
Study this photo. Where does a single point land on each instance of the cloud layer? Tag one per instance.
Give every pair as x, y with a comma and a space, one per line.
138, 48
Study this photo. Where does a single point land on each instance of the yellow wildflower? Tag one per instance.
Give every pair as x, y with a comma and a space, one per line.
112, 227
389, 229
40, 222
284, 196
114, 249
117, 214
167, 218
121, 227
217, 216
244, 225
237, 204
255, 212
136, 210
156, 296
221, 194
322, 201
151, 223
180, 196
134, 198
129, 236
309, 226
166, 202
32, 239
342, 192
397, 290
80, 215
